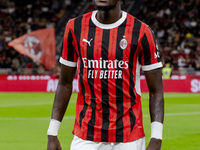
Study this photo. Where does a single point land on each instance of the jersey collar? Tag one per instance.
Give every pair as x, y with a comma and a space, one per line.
108, 26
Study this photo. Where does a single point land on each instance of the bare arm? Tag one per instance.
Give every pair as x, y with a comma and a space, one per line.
61, 101
63, 92
156, 102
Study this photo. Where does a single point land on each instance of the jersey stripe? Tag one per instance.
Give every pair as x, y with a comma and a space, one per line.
155, 43
83, 48
75, 45
146, 50
97, 82
119, 87
111, 84
77, 51
104, 88
135, 105
70, 54
134, 43
64, 50
77, 29
65, 43
90, 56
126, 76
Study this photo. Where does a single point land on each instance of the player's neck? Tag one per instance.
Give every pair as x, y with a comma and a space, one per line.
110, 16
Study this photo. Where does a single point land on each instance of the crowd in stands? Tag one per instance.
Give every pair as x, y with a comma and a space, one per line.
176, 24
19, 17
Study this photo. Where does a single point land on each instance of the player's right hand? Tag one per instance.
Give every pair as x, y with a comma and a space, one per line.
53, 143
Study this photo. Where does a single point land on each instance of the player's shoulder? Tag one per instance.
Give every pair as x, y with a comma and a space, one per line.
144, 25
81, 17
77, 20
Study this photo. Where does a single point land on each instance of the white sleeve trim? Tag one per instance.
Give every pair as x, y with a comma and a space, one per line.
68, 63
151, 67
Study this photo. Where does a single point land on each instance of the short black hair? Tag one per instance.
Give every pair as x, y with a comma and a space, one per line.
124, 1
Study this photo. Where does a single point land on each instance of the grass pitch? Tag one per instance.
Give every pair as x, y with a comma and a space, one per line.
24, 119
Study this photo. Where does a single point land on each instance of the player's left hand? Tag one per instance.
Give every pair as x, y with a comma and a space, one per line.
154, 144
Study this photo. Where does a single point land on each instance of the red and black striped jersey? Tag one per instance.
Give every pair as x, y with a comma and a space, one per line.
108, 58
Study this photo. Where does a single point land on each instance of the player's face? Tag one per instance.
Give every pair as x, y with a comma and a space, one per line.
106, 3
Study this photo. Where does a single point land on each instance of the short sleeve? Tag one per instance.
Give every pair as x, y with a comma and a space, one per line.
69, 54
149, 56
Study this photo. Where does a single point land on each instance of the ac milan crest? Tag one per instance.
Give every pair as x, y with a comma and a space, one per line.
123, 43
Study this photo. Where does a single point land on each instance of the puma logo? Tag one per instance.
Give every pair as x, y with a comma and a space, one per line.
84, 40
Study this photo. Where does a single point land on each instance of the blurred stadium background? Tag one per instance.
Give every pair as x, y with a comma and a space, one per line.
24, 116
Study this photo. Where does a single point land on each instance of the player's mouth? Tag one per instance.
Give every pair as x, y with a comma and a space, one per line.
102, 2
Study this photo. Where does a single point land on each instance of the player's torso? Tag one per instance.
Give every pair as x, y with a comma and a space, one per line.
107, 55
108, 68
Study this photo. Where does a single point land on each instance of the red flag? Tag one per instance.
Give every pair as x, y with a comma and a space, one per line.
39, 45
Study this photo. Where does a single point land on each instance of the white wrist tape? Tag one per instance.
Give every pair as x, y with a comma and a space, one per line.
53, 127
156, 130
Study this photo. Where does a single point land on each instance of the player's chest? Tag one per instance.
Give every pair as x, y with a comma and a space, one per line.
107, 44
